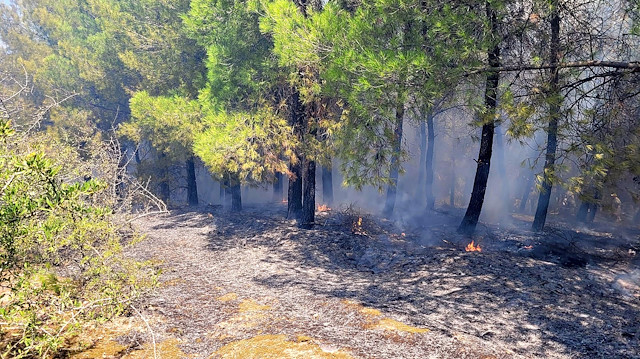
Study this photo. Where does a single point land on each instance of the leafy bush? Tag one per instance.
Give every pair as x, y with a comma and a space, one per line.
61, 263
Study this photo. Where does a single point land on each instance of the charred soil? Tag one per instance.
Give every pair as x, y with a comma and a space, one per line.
253, 285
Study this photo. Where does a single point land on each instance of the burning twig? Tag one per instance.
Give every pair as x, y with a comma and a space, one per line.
323, 208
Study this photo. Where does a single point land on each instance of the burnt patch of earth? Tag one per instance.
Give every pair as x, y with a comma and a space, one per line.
252, 284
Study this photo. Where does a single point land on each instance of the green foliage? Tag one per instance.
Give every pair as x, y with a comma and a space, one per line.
157, 47
60, 263
168, 123
250, 146
240, 68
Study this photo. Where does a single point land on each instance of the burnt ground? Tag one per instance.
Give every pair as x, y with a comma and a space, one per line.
231, 282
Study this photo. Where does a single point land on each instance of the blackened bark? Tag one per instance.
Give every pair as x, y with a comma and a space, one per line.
236, 197
526, 192
395, 162
278, 187
227, 191
552, 131
165, 189
327, 184
309, 175
192, 186
470, 220
583, 210
309, 195
294, 193
431, 200
137, 156
221, 193
423, 158
593, 207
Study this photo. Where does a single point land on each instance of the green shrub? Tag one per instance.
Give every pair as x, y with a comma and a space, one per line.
61, 262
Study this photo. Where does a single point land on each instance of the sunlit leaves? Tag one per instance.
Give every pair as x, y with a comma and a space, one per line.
168, 123
250, 145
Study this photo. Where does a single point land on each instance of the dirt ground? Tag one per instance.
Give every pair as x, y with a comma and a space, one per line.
253, 285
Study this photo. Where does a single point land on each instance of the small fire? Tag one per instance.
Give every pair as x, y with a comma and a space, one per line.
473, 248
403, 234
528, 247
323, 208
357, 227
284, 201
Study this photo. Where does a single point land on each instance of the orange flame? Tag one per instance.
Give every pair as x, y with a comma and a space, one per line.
528, 247
357, 227
473, 248
323, 208
403, 234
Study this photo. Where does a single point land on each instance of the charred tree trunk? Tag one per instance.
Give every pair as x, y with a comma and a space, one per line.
431, 200
226, 183
278, 187
192, 186
552, 131
236, 196
165, 189
294, 193
525, 193
327, 184
309, 195
583, 210
593, 207
137, 156
470, 220
423, 158
395, 162
221, 192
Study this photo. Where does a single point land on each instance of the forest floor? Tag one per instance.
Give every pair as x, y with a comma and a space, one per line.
253, 285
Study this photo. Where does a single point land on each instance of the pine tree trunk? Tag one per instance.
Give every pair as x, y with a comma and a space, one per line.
327, 185
583, 210
526, 192
278, 187
421, 164
470, 220
236, 197
395, 159
294, 193
165, 189
227, 192
593, 207
221, 193
192, 186
309, 195
552, 131
431, 200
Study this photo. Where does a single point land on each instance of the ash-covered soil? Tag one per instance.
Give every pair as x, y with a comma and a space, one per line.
253, 285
